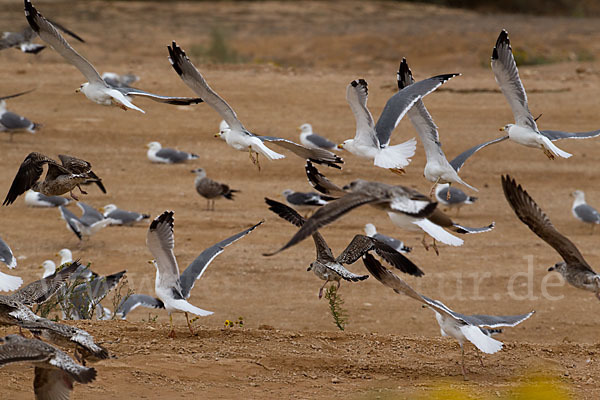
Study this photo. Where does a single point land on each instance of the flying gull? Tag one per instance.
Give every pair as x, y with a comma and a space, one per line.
452, 197
434, 225
583, 211
95, 89
574, 268
305, 201
171, 288
311, 140
373, 140
13, 123
210, 189
40, 291
55, 371
24, 39
395, 244
165, 155
122, 217
395, 199
14, 313
36, 199
60, 178
437, 168
235, 134
87, 225
119, 80
477, 329
329, 268
8, 282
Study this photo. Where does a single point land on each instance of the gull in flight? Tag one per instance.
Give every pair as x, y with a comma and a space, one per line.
232, 130
573, 268
172, 289
60, 178
437, 169
476, 329
372, 140
96, 89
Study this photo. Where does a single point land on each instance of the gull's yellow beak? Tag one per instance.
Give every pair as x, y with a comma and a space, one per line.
501, 129
150, 261
57, 255
77, 90
40, 267
340, 146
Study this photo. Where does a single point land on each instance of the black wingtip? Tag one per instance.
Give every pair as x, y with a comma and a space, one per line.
404, 76
502, 40
30, 14
175, 54
165, 217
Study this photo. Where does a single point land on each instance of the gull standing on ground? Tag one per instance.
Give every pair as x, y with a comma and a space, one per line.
210, 189
574, 268
122, 217
55, 371
372, 140
171, 288
396, 244
13, 123
452, 197
329, 268
8, 282
437, 169
165, 155
235, 134
36, 199
59, 179
313, 141
477, 329
24, 39
95, 89
583, 211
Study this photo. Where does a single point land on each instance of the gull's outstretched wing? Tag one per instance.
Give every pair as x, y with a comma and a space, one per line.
402, 101
318, 181
319, 156
72, 221
161, 241
460, 159
10, 96
90, 214
195, 270
356, 95
558, 135
29, 173
532, 215
178, 101
507, 77
48, 33
136, 300
192, 77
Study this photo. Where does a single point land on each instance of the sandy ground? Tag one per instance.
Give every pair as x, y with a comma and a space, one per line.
300, 57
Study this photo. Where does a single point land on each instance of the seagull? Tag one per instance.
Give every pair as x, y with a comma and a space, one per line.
329, 268
165, 155
13, 123
95, 89
583, 211
574, 268
36, 199
433, 225
452, 197
86, 297
477, 329
87, 225
311, 140
122, 217
372, 140
24, 39
210, 189
437, 168
66, 256
8, 282
40, 291
13, 312
60, 178
117, 80
305, 201
395, 244
49, 268
171, 288
55, 371
396, 199
235, 134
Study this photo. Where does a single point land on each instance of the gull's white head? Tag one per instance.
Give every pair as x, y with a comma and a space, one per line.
49, 268
579, 196
223, 130
154, 146
83, 88
306, 128
287, 192
507, 127
65, 256
346, 144
107, 209
2, 105
370, 229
